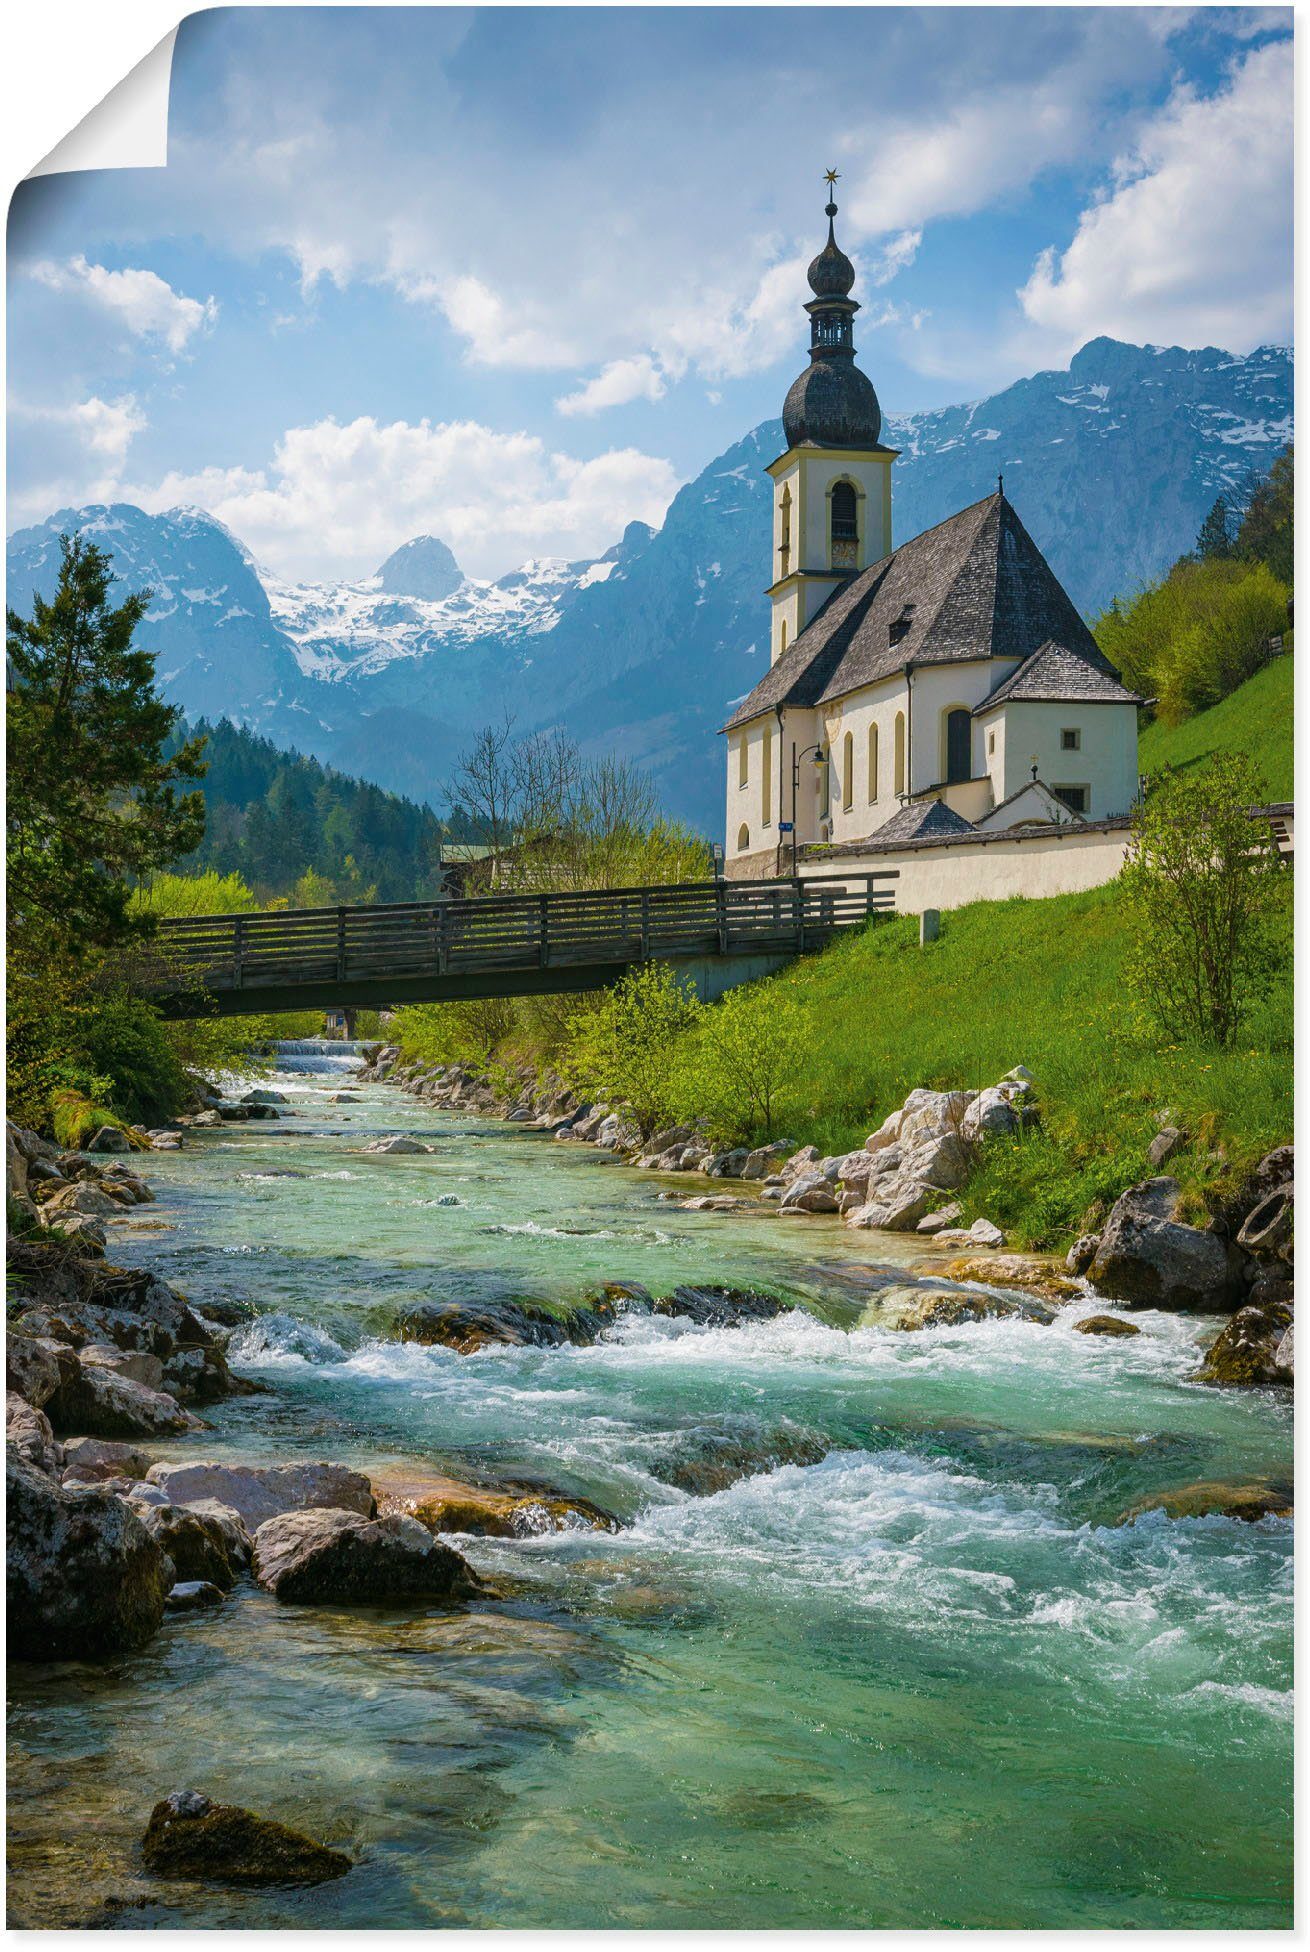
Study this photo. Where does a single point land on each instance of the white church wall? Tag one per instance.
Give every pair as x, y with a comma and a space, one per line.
1104, 762
937, 690
857, 714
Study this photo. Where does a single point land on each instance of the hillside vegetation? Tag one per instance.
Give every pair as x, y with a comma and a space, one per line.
1255, 719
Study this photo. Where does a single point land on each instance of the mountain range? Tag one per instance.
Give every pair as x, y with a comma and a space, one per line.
1111, 465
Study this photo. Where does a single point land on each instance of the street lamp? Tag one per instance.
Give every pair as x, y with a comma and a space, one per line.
820, 761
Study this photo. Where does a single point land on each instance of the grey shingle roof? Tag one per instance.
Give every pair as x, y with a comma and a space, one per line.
979, 586
921, 820
1056, 675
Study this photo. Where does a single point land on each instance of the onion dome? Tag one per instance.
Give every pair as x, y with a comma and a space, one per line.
831, 274
832, 403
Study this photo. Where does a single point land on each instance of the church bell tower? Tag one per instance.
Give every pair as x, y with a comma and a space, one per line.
832, 498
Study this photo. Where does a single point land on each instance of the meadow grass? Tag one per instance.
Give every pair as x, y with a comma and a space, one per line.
1043, 984
1256, 719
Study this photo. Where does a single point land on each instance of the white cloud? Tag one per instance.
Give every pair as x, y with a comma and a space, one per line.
623, 380
897, 255
1192, 244
497, 334
140, 300
336, 499
68, 454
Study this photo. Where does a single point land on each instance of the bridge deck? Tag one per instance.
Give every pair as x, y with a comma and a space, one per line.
499, 945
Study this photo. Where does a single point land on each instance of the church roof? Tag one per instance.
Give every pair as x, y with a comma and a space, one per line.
1056, 675
975, 586
922, 820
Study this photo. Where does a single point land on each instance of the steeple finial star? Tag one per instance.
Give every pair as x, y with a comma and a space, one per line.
830, 175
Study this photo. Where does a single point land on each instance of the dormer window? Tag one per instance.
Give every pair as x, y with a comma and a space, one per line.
900, 626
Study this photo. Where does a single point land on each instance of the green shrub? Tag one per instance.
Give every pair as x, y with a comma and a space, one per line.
634, 1047
739, 1066
1194, 638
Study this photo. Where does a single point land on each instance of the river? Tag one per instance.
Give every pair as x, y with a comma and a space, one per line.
920, 1683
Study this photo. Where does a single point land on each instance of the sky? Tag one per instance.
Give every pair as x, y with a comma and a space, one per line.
511, 276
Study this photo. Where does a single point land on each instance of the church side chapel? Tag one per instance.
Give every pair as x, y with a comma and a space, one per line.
948, 686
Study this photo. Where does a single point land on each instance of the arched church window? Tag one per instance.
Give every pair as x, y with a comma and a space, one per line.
743, 761
959, 742
873, 764
848, 772
743, 839
898, 745
782, 642
784, 545
845, 526
766, 782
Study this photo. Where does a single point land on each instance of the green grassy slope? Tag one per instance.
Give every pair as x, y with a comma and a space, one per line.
1039, 983
1256, 719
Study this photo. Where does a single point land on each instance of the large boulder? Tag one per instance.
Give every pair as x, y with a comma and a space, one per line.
197, 1544
709, 1457
1249, 1349
1209, 1498
28, 1430
1150, 1260
138, 1365
447, 1505
97, 1402
341, 1557
188, 1836
84, 1577
910, 1309
36, 1366
467, 1326
810, 1192
258, 1493
90, 1460
715, 1307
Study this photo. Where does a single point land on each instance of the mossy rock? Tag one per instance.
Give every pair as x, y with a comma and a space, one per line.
450, 1506
1245, 1352
1111, 1325
188, 1836
1026, 1272
1249, 1501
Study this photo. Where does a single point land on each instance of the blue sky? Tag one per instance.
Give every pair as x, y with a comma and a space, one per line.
510, 276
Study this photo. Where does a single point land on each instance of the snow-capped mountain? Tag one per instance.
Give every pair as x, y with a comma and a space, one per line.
1112, 465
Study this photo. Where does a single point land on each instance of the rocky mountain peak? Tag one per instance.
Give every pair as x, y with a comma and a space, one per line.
423, 567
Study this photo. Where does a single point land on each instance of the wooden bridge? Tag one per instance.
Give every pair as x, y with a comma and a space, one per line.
721, 932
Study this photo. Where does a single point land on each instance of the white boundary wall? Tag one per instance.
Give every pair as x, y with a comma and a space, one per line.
1059, 862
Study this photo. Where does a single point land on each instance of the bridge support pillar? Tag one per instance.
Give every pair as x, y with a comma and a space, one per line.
713, 976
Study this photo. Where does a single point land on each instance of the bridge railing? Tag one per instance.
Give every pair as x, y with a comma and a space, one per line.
517, 932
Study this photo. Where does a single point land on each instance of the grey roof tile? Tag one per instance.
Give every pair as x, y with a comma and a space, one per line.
921, 819
1054, 674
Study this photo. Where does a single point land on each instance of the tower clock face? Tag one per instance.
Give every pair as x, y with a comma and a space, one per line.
843, 553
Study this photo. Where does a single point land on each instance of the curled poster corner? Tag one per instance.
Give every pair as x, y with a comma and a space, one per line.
129, 129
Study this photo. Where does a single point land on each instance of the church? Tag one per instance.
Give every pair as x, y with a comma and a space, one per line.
944, 688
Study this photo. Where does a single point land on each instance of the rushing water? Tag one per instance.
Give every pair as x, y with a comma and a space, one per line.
923, 1682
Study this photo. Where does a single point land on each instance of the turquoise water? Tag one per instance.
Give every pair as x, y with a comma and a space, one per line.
923, 1682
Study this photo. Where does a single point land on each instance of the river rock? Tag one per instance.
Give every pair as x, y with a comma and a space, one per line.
1206, 1499
1082, 1253
98, 1402
713, 1307
90, 1460
207, 1120
1150, 1260
446, 1505
28, 1430
765, 1159
950, 1307
1266, 1231
81, 1197
193, 1596
810, 1192
36, 1366
338, 1556
730, 1164
136, 1364
197, 1544
1112, 1325
110, 1138
84, 1576
467, 1327
188, 1836
990, 1114
710, 1456
945, 1216
258, 1493
1027, 1272
1285, 1353
982, 1233
397, 1142
264, 1095
1247, 1349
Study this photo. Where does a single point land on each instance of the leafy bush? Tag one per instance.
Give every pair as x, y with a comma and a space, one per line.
1195, 637
1202, 884
739, 1066
632, 1047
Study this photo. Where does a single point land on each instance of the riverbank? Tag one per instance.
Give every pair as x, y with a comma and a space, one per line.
843, 1551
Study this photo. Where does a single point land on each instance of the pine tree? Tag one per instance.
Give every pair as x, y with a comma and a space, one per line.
1214, 541
93, 801
1266, 532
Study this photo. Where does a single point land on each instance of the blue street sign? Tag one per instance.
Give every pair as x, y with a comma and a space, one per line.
786, 826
